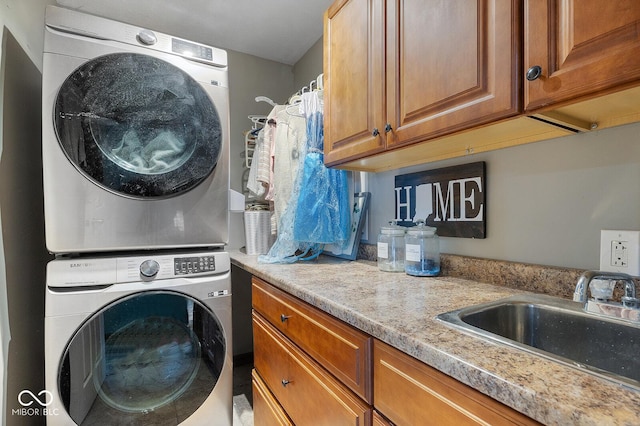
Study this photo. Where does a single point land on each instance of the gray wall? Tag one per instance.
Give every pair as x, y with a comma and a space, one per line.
21, 204
22, 251
309, 66
249, 77
546, 201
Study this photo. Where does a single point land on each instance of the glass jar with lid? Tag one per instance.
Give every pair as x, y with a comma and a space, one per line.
391, 248
422, 251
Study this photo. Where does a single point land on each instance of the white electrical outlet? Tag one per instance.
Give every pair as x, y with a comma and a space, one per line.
620, 251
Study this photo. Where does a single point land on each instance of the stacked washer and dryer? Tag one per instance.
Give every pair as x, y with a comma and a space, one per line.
136, 186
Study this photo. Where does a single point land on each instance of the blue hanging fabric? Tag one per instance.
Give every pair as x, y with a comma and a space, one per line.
322, 215
318, 211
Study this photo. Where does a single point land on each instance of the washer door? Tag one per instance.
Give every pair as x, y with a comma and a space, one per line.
148, 357
137, 125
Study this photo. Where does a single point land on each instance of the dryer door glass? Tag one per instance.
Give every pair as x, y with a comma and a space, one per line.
143, 360
137, 125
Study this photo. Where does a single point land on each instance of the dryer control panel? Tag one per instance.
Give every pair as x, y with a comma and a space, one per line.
101, 271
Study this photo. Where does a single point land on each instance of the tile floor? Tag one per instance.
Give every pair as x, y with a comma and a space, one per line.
242, 396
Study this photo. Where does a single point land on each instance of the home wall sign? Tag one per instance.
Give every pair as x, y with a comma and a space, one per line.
452, 199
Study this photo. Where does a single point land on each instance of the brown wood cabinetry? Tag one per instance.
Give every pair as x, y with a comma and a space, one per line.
355, 99
588, 54
338, 347
309, 361
583, 48
306, 392
401, 71
410, 82
265, 406
406, 390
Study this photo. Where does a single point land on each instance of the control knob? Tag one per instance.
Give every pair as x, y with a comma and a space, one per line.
149, 268
147, 37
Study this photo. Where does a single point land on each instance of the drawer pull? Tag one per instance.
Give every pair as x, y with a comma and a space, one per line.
285, 382
284, 318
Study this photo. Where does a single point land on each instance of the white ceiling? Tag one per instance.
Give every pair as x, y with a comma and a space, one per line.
280, 30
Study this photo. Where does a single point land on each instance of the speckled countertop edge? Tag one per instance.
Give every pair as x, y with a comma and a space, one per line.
400, 310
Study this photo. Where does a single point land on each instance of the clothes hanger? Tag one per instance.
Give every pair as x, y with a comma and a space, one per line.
265, 99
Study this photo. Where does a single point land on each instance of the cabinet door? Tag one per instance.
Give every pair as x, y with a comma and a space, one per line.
583, 47
338, 347
451, 65
354, 80
308, 394
266, 409
406, 389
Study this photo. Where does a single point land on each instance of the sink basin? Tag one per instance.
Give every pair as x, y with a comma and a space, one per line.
558, 329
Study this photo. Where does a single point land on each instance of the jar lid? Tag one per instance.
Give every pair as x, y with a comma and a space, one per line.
393, 229
421, 230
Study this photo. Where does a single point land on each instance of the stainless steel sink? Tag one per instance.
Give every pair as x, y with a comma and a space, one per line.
558, 329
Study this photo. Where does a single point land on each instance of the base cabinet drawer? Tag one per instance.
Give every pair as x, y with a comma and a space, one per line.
265, 406
407, 391
379, 420
307, 393
343, 350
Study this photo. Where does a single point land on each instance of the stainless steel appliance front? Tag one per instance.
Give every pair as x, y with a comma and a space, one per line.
139, 340
135, 138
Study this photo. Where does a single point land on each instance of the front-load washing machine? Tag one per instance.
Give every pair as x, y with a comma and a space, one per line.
135, 137
140, 339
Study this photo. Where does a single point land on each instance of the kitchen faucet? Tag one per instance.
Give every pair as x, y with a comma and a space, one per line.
629, 300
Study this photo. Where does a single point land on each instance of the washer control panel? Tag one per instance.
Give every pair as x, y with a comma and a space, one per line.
194, 265
78, 272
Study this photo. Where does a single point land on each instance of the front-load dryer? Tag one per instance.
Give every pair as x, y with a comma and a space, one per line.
135, 138
139, 340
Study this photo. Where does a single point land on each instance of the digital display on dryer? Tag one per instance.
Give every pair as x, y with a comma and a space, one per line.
194, 265
191, 50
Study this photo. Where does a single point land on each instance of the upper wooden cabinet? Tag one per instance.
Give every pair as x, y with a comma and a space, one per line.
402, 71
451, 65
411, 82
584, 48
354, 48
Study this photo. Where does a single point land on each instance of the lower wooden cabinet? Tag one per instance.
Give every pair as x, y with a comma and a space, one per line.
312, 369
265, 407
379, 420
410, 392
307, 393
342, 350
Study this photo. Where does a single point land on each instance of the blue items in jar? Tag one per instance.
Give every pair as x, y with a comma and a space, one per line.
422, 251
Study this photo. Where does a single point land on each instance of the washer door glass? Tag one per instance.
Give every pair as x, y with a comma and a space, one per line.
137, 125
144, 359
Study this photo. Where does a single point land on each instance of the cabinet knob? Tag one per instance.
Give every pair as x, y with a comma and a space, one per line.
285, 382
375, 132
387, 128
284, 317
534, 72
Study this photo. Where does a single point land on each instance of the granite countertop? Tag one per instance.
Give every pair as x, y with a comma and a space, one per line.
400, 310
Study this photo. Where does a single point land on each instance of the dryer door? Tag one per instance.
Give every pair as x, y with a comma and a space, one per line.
137, 125
145, 359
